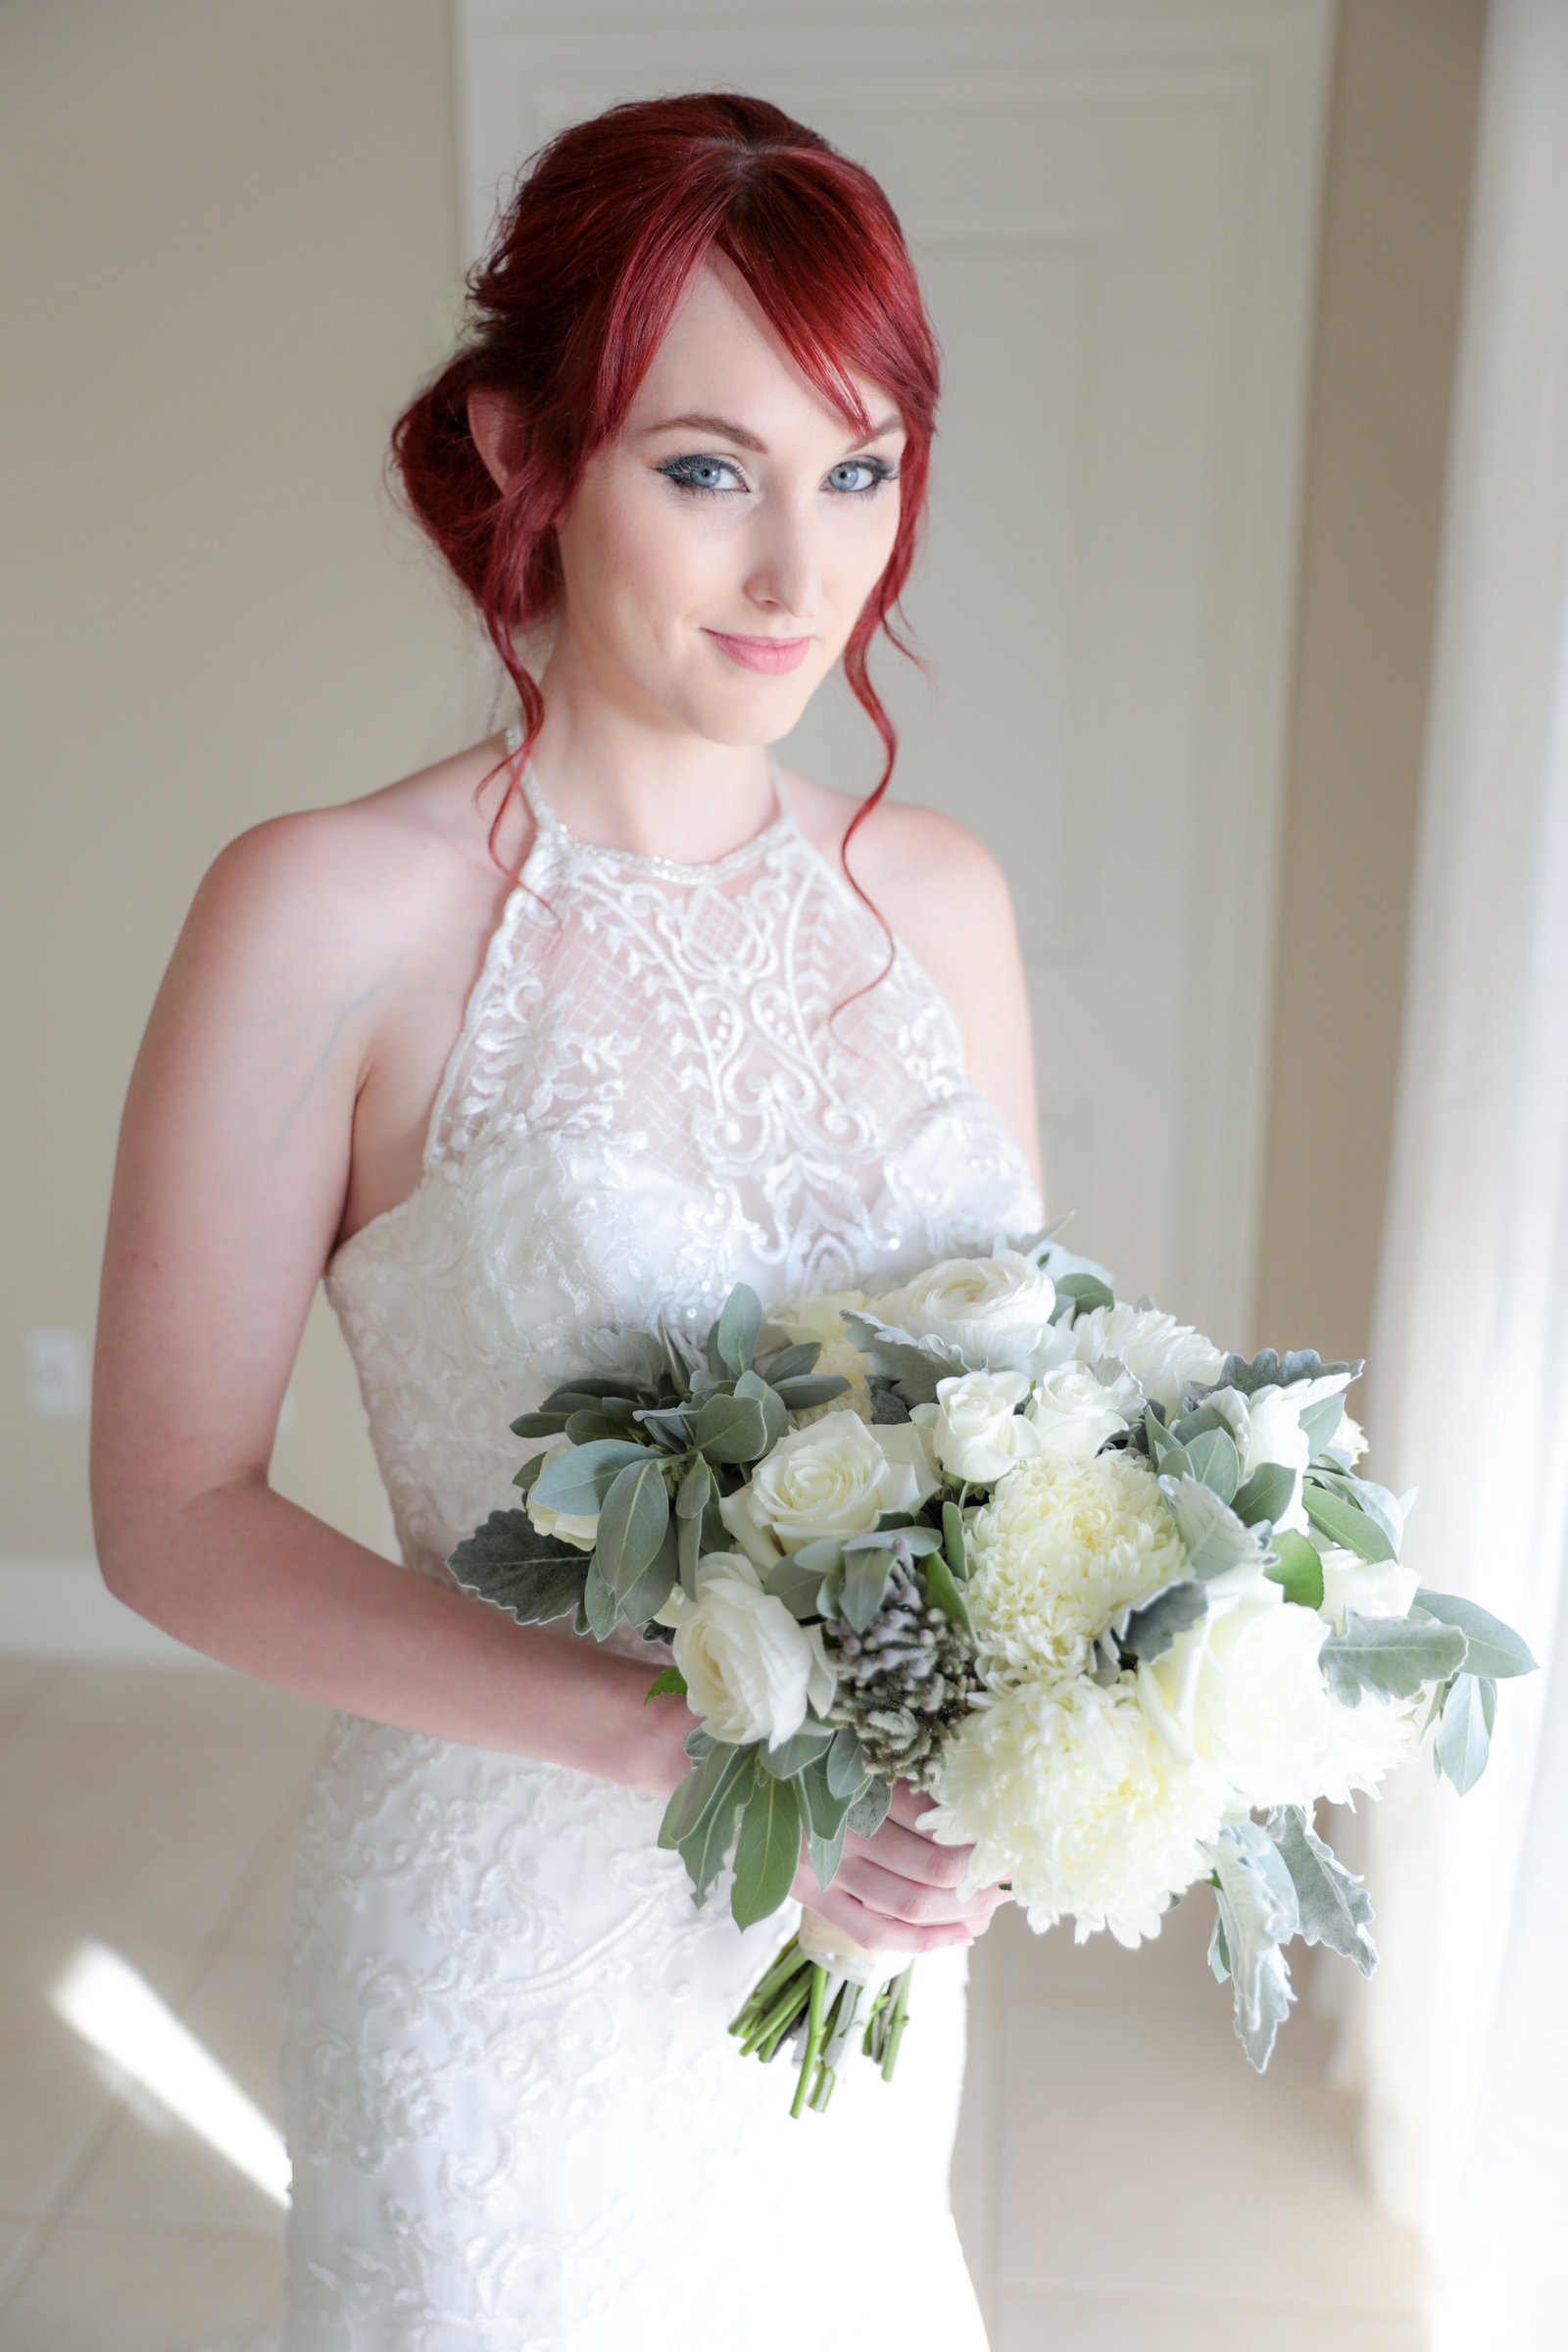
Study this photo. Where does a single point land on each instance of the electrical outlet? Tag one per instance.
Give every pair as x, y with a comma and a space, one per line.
59, 1380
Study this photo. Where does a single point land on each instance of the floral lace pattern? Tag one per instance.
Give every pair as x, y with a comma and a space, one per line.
515, 2119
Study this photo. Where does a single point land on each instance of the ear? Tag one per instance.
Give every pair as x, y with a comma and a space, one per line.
493, 421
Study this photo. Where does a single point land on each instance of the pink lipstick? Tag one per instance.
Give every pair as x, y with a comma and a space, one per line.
770, 654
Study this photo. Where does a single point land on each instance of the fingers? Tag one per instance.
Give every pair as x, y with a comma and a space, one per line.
875, 1930
911, 1856
912, 1903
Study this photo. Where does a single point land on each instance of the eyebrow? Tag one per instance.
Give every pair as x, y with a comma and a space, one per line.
725, 430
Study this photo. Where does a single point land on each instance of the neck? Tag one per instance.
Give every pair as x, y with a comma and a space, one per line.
634, 778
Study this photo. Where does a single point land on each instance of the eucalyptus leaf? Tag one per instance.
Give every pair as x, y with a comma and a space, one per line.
1464, 1732
691, 1496
739, 1326
1214, 1538
953, 1541
688, 1551
1495, 1651
632, 1524
1215, 1459
704, 1788
824, 1811
792, 1756
1086, 1290
793, 1363
1160, 1441
795, 1584
1152, 1630
542, 1424
508, 1561
1345, 1521
600, 1605
825, 1854
1299, 1569
802, 1391
942, 1591
1392, 1655
699, 1743
896, 1355
845, 1768
705, 1847
732, 1429
1266, 1495
577, 1480
1335, 1907
1199, 1423
1320, 1421
865, 1584
528, 1474
767, 1852
869, 1809
652, 1587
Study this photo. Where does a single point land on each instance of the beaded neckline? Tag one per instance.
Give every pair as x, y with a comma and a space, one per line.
780, 827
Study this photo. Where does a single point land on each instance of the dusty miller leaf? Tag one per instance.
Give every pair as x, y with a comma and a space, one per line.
508, 1561
1258, 1912
1335, 1907
1392, 1655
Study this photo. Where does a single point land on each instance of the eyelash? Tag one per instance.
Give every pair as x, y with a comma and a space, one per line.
679, 470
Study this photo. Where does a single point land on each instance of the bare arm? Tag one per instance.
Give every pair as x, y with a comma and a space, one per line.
232, 1171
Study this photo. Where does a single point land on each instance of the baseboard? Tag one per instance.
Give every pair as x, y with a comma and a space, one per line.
64, 1609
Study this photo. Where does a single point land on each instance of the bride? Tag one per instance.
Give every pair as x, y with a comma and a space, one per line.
572, 1031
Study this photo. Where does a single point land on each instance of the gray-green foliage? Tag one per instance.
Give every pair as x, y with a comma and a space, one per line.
1214, 1538
1392, 1655
1334, 1906
537, 1577
1257, 1913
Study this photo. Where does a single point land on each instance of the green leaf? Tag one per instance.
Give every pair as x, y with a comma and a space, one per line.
703, 1848
578, 1480
796, 1584
528, 1474
775, 1412
792, 1756
690, 1496
804, 1390
1464, 1733
767, 1852
942, 1591
1335, 1907
1259, 1911
953, 1543
1152, 1630
507, 1561
1320, 1421
732, 1429
1197, 1424
701, 1789
688, 1551
865, 1583
632, 1524
1215, 1461
826, 1853
1160, 1441
1495, 1648
1344, 1523
1087, 1292
1299, 1570
543, 1424
1393, 1655
869, 1809
793, 1363
1214, 1537
582, 1428
846, 1769
915, 1373
825, 1812
671, 1684
738, 1327
600, 1607
1266, 1494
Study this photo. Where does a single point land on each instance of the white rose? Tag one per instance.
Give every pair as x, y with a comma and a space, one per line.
974, 1426
834, 1476
1267, 1428
1348, 1442
1075, 1413
987, 1314
1242, 1695
1371, 1588
573, 1527
750, 1667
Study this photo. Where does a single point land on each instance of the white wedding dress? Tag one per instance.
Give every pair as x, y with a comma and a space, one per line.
517, 2121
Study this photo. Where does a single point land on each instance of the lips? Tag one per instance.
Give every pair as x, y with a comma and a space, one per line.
770, 654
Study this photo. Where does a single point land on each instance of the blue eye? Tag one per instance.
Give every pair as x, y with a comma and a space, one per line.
858, 477
706, 475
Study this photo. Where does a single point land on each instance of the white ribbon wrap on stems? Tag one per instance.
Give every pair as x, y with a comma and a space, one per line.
843, 1957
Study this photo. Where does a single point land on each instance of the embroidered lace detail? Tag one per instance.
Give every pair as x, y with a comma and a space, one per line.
516, 2120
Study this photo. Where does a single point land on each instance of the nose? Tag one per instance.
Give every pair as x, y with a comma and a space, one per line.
785, 577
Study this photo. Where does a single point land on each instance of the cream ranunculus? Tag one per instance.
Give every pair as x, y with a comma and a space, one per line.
573, 1527
985, 1314
1075, 1413
836, 1477
1242, 1695
1371, 1588
975, 1428
749, 1667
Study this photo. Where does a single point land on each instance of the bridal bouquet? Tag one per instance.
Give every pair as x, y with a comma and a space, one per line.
1105, 1593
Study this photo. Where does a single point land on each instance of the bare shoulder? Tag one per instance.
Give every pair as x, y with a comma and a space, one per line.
920, 867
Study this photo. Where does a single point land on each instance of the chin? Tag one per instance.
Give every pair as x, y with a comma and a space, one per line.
758, 712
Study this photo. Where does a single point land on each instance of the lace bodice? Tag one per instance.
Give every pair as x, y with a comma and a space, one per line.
670, 1078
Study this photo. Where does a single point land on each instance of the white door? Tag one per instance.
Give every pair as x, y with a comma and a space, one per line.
1113, 208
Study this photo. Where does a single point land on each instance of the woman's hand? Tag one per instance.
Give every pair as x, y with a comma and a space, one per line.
900, 1890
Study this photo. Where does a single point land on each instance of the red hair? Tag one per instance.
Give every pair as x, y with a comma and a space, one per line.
575, 295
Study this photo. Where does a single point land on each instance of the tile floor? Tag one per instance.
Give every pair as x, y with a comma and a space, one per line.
1114, 2139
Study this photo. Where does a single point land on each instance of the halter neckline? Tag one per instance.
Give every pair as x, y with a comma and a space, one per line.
550, 827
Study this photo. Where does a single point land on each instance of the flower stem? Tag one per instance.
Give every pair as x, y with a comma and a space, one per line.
813, 2039
896, 2024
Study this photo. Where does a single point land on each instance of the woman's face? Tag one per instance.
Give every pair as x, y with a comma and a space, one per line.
717, 555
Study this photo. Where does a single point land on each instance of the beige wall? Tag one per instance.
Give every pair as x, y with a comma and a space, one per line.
230, 247
1397, 200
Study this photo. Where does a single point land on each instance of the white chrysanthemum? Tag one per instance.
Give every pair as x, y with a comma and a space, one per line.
1370, 1741
1060, 1548
1064, 1790
1161, 1353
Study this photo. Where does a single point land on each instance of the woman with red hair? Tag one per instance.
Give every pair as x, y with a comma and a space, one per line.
568, 1034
